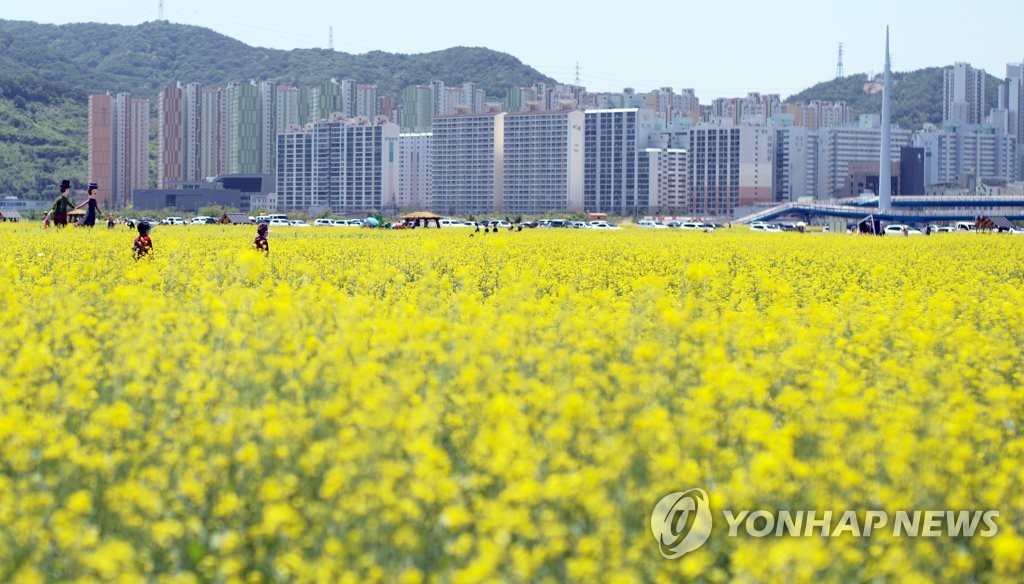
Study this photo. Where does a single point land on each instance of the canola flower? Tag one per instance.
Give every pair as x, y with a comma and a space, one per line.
420, 406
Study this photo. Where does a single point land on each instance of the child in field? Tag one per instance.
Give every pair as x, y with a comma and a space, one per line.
261, 243
143, 244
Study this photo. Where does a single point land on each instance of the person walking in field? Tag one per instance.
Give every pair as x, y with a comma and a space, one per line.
63, 205
93, 206
261, 243
143, 244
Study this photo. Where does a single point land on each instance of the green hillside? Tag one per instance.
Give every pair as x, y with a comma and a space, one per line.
143, 58
916, 96
42, 136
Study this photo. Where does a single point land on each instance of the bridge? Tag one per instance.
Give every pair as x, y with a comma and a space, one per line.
905, 209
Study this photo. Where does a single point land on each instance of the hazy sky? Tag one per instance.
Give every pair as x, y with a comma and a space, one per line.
720, 49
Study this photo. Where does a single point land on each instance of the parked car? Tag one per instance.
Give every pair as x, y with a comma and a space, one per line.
453, 223
758, 226
900, 229
277, 222
691, 225
202, 220
298, 223
173, 221
324, 222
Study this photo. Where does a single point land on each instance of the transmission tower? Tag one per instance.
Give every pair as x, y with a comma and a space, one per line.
330, 38
160, 10
839, 64
577, 73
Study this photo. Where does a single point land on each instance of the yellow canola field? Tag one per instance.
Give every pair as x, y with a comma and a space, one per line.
426, 406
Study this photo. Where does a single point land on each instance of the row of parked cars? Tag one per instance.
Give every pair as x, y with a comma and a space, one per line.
324, 222
689, 225
550, 223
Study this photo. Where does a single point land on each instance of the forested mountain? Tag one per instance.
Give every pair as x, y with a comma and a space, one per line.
916, 96
143, 58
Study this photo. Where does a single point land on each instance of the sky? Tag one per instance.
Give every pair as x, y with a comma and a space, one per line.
718, 49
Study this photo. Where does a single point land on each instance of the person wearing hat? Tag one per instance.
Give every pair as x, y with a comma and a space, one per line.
63, 205
94, 206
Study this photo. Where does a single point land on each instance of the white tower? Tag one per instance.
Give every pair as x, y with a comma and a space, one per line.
885, 160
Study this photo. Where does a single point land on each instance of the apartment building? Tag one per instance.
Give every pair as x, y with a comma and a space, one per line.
118, 147
613, 140
468, 161
543, 162
344, 165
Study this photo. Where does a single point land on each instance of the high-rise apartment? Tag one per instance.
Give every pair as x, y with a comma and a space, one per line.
958, 154
839, 147
613, 140
417, 108
963, 94
179, 134
118, 147
468, 159
663, 170
343, 165
243, 117
543, 162
730, 166
416, 171
267, 126
213, 131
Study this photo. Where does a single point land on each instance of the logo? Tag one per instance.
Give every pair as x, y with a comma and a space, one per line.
681, 522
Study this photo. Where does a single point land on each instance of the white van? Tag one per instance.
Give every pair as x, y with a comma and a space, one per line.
453, 223
647, 223
965, 226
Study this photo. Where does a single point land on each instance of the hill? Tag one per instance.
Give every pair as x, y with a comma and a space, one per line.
916, 96
143, 58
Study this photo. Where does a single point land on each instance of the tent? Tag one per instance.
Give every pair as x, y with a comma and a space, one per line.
869, 225
993, 223
425, 216
234, 219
